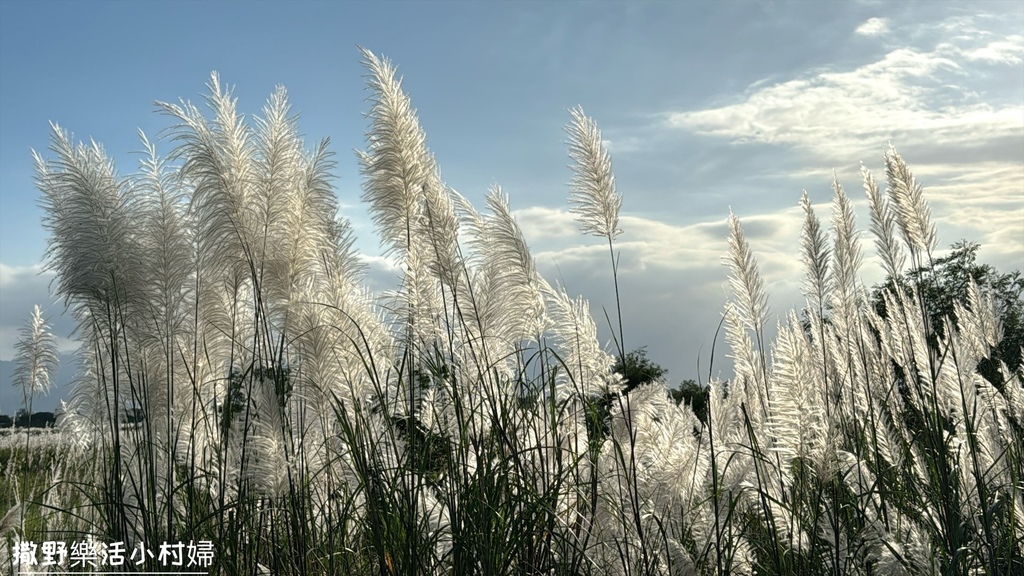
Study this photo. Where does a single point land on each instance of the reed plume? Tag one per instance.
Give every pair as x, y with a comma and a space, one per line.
36, 360
594, 199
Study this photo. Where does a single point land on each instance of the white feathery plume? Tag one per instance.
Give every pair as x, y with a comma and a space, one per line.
745, 279
589, 367
218, 163
341, 338
478, 301
439, 224
816, 255
656, 459
285, 239
91, 392
844, 295
594, 199
169, 264
168, 257
396, 164
727, 427
845, 301
883, 226
218, 166
303, 236
410, 207
913, 214
798, 418
508, 258
91, 220
418, 301
978, 325
1013, 390
339, 257
748, 384
35, 357
874, 387
266, 465
747, 310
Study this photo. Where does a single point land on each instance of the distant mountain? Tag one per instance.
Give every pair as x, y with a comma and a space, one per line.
10, 396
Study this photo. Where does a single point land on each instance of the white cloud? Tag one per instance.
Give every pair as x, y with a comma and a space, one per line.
873, 27
963, 145
384, 263
10, 274
624, 145
541, 224
907, 96
1008, 51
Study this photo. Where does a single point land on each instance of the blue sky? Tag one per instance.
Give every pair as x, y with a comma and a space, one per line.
705, 107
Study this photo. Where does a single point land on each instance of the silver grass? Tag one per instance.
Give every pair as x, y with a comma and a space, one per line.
478, 300
1013, 390
285, 236
850, 350
913, 213
654, 459
843, 292
411, 209
745, 279
35, 357
11, 519
88, 409
417, 305
594, 199
508, 259
588, 368
673, 463
439, 224
500, 303
266, 467
260, 236
905, 342
816, 254
883, 226
169, 264
977, 323
839, 557
876, 374
749, 384
748, 309
726, 423
337, 331
303, 240
976, 334
396, 164
503, 299
798, 420
218, 164
168, 258
90, 216
845, 301
340, 258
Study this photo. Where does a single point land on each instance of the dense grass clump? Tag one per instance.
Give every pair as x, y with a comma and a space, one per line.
470, 422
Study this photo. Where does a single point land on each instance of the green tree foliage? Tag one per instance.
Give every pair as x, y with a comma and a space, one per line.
946, 281
694, 395
636, 369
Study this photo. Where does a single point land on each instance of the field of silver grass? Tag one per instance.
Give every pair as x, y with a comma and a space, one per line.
470, 422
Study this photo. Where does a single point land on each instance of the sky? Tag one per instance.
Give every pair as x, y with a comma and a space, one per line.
706, 107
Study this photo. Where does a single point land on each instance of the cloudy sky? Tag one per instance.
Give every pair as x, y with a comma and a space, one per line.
706, 107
